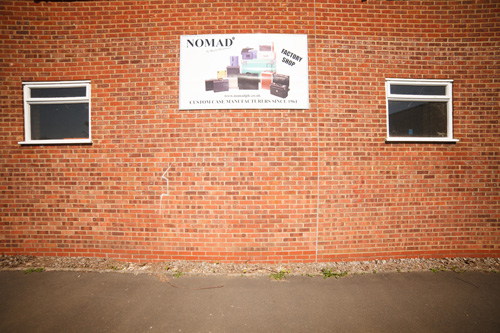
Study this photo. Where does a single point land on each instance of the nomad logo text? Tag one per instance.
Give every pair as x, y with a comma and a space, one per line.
210, 42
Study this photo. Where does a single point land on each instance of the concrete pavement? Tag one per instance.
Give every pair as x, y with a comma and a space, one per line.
115, 302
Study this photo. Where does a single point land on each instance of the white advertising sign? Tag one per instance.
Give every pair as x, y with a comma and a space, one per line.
243, 71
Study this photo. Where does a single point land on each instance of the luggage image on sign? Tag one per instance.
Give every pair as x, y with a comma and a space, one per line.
266, 55
257, 66
279, 90
221, 85
248, 81
266, 80
245, 50
248, 53
265, 48
234, 61
281, 79
221, 74
209, 84
233, 82
233, 70
251, 54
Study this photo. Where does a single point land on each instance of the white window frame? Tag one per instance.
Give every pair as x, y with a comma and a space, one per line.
423, 98
28, 101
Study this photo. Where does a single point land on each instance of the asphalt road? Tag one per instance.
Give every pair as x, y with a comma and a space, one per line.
117, 302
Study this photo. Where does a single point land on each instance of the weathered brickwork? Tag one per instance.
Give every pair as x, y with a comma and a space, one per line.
251, 185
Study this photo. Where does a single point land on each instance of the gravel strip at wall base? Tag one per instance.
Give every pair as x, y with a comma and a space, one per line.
178, 268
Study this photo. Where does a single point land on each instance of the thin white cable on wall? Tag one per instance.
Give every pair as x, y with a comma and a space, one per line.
317, 126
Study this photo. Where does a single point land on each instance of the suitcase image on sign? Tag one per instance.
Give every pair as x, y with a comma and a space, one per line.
221, 85
281, 79
245, 50
257, 66
234, 61
233, 82
248, 53
248, 81
221, 74
266, 55
233, 70
252, 54
266, 80
279, 90
209, 84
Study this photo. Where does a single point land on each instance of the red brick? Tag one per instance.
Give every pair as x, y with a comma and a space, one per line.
247, 184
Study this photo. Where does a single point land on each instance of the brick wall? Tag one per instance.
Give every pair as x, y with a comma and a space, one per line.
260, 185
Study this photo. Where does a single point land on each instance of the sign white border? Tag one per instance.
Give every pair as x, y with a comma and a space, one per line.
205, 58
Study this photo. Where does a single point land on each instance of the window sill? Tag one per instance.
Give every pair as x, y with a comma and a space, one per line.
56, 142
421, 140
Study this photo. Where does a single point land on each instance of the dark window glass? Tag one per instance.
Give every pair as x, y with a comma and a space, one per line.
59, 121
418, 119
403, 89
58, 92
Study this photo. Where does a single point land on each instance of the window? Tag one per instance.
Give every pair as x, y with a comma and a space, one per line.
419, 110
56, 112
